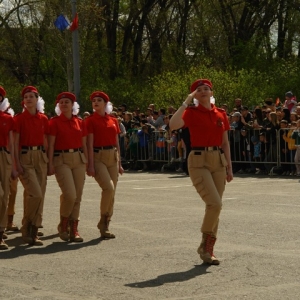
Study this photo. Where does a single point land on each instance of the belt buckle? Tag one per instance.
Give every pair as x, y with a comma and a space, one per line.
71, 150
34, 148
210, 148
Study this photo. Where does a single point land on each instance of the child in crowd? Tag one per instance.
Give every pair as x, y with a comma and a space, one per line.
256, 151
290, 101
172, 145
160, 146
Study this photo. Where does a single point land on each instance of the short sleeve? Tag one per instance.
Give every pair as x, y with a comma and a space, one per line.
187, 116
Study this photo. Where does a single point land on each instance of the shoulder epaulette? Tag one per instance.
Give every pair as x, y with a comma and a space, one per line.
220, 109
17, 114
78, 117
53, 117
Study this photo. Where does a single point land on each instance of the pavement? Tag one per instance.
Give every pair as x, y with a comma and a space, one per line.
157, 221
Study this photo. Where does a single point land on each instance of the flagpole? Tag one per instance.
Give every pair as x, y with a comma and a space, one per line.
76, 66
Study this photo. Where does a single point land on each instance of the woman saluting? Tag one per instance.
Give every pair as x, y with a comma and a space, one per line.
209, 161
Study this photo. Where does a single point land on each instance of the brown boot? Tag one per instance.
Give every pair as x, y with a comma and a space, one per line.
4, 237
34, 234
74, 234
3, 245
63, 228
26, 233
206, 249
10, 224
103, 227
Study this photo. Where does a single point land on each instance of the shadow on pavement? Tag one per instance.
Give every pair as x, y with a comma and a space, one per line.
171, 277
22, 249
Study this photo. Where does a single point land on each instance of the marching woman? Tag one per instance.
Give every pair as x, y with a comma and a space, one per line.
67, 152
31, 129
209, 161
7, 163
104, 156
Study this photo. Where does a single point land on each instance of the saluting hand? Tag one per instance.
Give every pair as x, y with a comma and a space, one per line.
190, 97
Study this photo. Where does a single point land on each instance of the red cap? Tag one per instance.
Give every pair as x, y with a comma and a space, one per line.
68, 95
199, 82
29, 89
99, 94
2, 91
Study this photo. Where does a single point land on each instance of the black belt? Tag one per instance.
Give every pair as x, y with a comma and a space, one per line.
32, 148
4, 149
68, 150
97, 149
206, 148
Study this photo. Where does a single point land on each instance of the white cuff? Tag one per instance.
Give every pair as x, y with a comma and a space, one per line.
184, 104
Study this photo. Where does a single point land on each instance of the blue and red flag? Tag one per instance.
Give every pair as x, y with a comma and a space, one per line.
62, 23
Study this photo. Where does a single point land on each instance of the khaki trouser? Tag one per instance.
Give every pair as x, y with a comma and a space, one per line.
34, 181
5, 173
12, 196
107, 171
208, 174
70, 174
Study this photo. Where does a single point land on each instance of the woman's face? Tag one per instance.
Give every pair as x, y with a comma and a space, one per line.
30, 100
203, 93
65, 105
98, 104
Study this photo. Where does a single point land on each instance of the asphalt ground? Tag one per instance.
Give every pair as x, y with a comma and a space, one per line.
157, 225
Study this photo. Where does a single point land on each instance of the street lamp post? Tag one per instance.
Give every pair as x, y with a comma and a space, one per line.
75, 49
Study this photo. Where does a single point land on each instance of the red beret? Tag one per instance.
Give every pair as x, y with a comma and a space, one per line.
199, 82
99, 94
29, 89
2, 91
68, 95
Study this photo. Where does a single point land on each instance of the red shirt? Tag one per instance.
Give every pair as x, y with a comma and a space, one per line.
68, 132
32, 128
105, 129
206, 126
6, 125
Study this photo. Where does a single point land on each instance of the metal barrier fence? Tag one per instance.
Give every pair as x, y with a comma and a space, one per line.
252, 151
